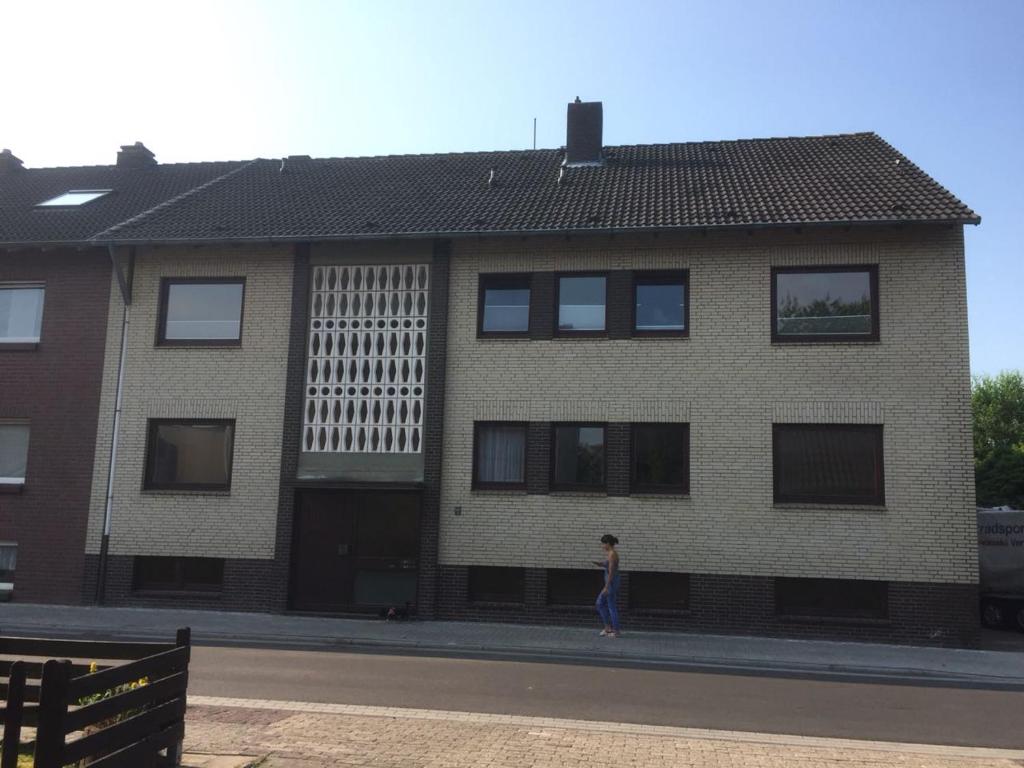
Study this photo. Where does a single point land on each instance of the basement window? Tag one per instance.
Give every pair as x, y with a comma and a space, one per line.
74, 198
493, 584
832, 598
178, 574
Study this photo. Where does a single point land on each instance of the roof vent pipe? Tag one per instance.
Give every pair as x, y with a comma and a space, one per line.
9, 163
135, 156
583, 135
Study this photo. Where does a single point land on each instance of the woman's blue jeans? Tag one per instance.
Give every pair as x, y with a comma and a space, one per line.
606, 605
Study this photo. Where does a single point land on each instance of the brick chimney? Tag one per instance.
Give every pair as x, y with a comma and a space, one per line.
583, 133
9, 163
135, 156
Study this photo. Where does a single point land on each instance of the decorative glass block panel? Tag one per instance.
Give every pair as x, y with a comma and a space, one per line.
366, 364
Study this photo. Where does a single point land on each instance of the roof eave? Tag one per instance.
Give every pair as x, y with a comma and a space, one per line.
556, 232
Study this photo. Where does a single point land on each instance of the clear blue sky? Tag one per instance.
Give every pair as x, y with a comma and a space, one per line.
942, 81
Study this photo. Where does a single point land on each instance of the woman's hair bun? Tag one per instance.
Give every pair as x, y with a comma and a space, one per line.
609, 539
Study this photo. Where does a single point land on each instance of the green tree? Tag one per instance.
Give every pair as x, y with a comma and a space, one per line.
998, 406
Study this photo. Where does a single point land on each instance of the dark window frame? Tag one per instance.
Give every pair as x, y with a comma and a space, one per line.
151, 430
586, 601
782, 612
161, 322
474, 598
877, 500
583, 334
479, 485
661, 277
651, 488
637, 577
811, 338
495, 280
179, 585
554, 485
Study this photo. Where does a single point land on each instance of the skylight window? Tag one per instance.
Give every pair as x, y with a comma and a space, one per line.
74, 197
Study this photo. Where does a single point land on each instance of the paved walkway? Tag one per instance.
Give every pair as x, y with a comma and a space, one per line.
304, 735
847, 661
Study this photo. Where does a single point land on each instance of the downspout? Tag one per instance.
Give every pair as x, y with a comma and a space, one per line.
124, 283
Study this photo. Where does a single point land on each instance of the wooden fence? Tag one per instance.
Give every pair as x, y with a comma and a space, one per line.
103, 718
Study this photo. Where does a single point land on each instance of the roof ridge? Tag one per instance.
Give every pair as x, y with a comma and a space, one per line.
171, 201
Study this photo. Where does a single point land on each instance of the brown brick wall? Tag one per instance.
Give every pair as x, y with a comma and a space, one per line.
57, 388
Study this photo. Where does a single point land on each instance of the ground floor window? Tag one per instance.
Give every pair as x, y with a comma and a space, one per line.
190, 454
832, 598
8, 560
492, 584
184, 574
828, 463
567, 586
652, 590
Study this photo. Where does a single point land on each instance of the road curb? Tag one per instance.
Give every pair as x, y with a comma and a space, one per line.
705, 665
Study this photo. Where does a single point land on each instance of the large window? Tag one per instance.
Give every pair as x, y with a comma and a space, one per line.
574, 587
578, 456
661, 458
504, 305
581, 304
828, 463
659, 306
493, 584
653, 591
201, 311
13, 452
825, 304
178, 574
190, 455
21, 313
832, 598
499, 455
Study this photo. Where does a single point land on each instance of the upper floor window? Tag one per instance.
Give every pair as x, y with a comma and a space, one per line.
73, 198
661, 458
190, 454
578, 456
13, 452
659, 303
828, 463
825, 303
201, 311
504, 305
499, 459
581, 304
21, 313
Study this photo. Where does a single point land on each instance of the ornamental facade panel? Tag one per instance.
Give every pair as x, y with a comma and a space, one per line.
366, 363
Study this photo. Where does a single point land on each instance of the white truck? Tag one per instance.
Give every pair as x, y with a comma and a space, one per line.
1001, 566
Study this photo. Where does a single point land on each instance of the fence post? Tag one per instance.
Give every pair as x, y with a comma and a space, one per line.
183, 639
53, 708
13, 715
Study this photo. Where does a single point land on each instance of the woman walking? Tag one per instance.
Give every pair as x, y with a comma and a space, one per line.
606, 601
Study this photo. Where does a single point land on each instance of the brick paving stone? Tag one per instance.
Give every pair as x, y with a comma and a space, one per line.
306, 735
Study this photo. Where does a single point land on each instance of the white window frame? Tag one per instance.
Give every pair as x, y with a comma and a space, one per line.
55, 202
27, 425
24, 287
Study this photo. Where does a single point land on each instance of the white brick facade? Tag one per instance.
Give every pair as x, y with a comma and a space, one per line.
730, 382
245, 383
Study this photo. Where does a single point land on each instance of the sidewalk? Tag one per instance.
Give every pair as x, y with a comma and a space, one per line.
709, 653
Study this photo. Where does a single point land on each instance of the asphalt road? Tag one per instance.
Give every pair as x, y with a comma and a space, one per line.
730, 702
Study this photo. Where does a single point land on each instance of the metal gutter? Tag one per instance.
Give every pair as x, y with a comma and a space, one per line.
467, 234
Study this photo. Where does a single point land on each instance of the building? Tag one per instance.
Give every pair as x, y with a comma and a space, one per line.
434, 381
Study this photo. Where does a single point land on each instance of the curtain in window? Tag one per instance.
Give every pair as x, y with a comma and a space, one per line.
13, 451
823, 463
501, 454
